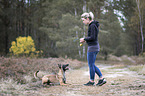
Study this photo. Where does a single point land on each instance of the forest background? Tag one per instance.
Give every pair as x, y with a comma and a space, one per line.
56, 26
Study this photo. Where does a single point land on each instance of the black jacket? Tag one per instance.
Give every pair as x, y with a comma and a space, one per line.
93, 31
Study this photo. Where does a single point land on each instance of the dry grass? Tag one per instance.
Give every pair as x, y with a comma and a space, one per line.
16, 74
16, 78
133, 60
140, 69
17, 68
12, 87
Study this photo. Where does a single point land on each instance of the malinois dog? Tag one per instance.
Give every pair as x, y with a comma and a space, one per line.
58, 78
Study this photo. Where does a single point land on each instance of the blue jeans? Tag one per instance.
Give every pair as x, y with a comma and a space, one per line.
91, 57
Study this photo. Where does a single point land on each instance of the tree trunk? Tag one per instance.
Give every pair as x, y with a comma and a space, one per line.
84, 10
78, 38
6, 27
141, 24
6, 41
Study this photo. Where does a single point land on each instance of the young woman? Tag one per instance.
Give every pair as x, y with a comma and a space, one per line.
93, 48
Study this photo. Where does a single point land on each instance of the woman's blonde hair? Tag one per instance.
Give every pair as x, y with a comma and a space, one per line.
89, 15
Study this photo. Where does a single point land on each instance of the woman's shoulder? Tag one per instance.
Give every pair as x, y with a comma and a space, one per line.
94, 23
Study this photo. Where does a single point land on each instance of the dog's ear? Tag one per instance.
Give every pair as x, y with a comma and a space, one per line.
66, 65
59, 65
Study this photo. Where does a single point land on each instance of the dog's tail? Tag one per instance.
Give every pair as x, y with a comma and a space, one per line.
35, 75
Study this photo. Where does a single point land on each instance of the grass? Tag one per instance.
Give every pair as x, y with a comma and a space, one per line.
118, 67
12, 87
16, 74
139, 68
133, 60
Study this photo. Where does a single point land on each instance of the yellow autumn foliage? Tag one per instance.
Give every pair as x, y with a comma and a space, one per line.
23, 46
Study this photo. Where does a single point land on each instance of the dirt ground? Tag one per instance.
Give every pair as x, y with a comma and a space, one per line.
120, 82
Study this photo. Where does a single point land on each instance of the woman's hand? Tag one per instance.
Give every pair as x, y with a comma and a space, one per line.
82, 40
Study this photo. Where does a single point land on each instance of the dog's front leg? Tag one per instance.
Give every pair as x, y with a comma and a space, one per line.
63, 84
61, 81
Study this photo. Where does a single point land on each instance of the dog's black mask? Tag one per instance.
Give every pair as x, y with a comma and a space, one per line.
64, 67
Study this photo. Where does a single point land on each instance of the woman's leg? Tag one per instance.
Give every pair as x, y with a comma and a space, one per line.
91, 56
97, 70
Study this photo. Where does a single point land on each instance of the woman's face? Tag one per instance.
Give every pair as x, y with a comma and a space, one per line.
85, 21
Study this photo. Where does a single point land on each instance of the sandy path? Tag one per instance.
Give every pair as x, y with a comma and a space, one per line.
120, 82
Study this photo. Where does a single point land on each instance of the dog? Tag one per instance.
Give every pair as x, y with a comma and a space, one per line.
58, 78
